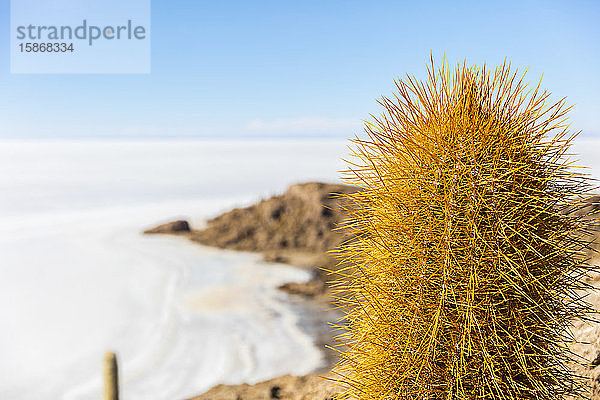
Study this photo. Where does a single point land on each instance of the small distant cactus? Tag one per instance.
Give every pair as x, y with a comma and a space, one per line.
465, 266
111, 376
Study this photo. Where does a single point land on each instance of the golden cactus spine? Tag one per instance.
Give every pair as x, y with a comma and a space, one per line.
465, 268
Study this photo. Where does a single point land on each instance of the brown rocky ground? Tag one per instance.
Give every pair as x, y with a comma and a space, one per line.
308, 387
301, 219
587, 332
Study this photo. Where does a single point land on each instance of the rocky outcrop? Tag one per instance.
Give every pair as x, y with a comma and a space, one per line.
175, 227
298, 227
302, 219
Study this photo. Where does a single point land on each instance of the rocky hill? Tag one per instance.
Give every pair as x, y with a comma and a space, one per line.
297, 227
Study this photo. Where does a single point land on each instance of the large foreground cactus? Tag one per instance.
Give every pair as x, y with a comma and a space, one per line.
466, 268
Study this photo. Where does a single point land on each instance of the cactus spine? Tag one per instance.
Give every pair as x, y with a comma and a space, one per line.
465, 268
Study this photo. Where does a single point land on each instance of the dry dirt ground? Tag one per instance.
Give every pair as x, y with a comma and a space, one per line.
309, 387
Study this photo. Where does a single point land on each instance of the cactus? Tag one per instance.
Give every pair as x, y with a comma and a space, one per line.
111, 376
465, 268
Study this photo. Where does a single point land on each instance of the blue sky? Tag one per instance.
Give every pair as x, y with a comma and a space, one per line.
223, 69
